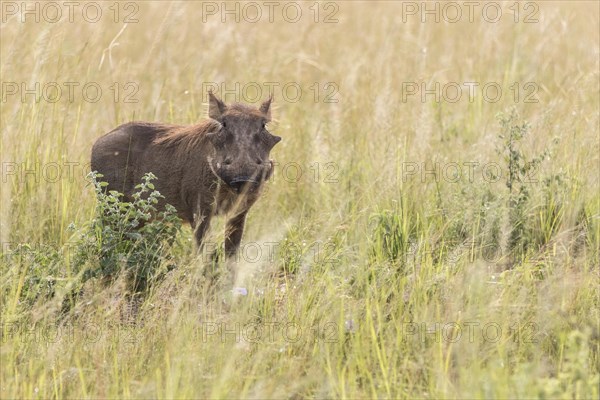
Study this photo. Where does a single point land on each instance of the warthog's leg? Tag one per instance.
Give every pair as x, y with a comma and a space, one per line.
201, 224
233, 233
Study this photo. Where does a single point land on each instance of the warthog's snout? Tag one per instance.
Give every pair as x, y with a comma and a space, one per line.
244, 184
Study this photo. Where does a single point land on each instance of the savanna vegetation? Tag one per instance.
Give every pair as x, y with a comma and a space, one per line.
412, 243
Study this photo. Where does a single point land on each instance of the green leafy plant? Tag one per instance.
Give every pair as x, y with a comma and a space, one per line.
128, 236
37, 267
392, 232
521, 171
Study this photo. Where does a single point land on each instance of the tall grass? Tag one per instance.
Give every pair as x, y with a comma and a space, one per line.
403, 249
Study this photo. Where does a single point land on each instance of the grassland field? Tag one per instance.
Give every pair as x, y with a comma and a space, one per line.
432, 228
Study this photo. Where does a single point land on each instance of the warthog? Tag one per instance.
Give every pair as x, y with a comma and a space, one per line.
215, 167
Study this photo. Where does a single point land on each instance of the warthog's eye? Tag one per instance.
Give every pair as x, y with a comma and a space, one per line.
264, 125
223, 124
227, 161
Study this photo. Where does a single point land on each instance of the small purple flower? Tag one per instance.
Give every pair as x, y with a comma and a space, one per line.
240, 291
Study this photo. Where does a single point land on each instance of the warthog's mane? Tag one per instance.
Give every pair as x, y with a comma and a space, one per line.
186, 139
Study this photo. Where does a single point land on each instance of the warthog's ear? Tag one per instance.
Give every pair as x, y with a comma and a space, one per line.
216, 107
265, 108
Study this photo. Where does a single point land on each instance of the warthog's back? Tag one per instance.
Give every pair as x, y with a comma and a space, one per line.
121, 154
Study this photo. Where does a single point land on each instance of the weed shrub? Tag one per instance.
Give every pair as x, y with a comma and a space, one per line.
124, 237
40, 268
391, 234
533, 208
536, 200
132, 237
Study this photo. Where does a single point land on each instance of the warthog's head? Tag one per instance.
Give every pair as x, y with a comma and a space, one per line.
242, 144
